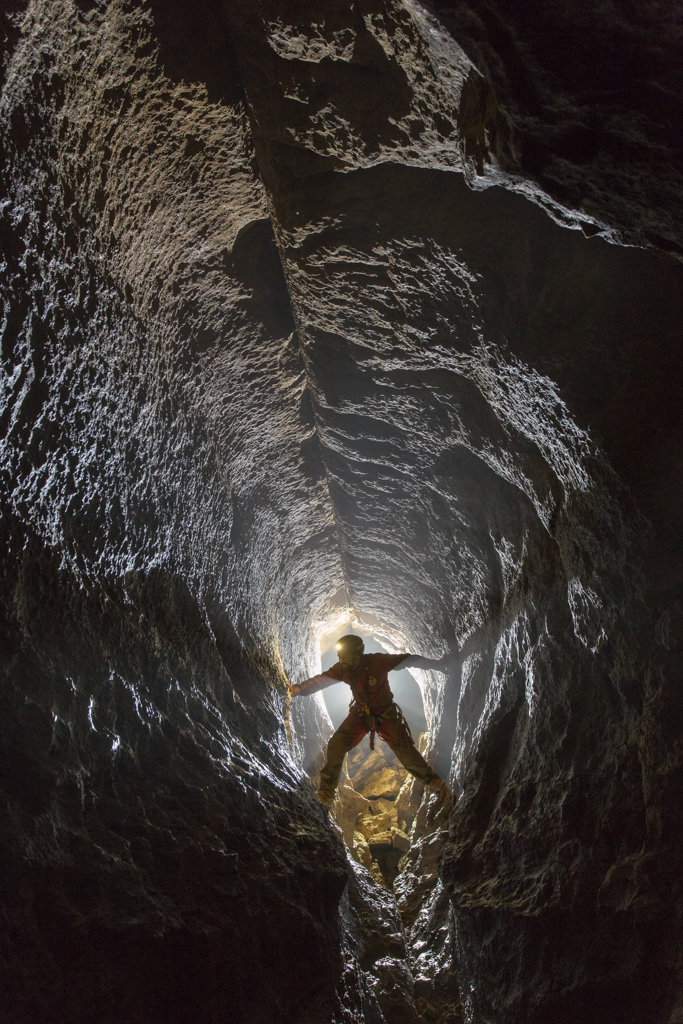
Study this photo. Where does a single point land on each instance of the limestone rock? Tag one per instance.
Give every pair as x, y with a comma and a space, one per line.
381, 840
382, 806
377, 940
347, 806
408, 802
371, 824
361, 850
384, 783
420, 873
434, 964
392, 837
377, 873
539, 124
279, 341
366, 766
399, 840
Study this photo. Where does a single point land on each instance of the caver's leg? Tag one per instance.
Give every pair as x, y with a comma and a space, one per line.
348, 735
395, 732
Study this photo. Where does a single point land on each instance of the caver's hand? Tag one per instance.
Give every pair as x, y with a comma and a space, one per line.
295, 689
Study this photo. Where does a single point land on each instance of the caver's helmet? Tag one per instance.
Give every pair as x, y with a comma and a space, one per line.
350, 644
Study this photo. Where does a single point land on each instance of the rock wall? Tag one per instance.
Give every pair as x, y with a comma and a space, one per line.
277, 327
155, 828
585, 101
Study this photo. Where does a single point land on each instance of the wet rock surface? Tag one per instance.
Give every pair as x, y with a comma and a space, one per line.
276, 329
143, 738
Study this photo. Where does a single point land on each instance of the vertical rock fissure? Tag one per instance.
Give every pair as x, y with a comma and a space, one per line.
309, 385
372, 913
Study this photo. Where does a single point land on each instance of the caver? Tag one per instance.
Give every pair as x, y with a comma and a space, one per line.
373, 710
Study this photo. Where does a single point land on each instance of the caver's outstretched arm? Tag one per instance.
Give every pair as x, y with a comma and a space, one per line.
442, 665
416, 661
312, 685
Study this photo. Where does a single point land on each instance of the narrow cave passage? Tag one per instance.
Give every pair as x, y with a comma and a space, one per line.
377, 799
308, 315
395, 830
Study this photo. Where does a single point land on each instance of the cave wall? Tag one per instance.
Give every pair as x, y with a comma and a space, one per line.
151, 392
274, 324
525, 354
585, 101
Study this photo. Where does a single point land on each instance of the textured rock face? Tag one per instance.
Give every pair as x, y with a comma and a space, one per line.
149, 775
586, 100
264, 345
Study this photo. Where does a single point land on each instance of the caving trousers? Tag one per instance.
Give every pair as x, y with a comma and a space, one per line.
392, 728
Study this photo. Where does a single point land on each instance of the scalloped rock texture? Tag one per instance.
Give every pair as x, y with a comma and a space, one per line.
276, 328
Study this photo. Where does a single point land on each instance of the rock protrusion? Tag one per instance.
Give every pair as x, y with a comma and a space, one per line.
408, 802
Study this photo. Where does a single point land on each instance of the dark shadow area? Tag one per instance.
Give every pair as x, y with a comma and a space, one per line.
589, 103
195, 46
255, 262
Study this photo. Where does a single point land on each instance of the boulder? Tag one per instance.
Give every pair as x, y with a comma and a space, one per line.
381, 841
384, 783
347, 806
383, 806
391, 838
361, 770
361, 850
399, 840
372, 824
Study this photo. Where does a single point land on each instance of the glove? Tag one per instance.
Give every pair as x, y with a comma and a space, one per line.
295, 689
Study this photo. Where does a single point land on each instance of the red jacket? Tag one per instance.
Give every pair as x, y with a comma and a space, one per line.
369, 683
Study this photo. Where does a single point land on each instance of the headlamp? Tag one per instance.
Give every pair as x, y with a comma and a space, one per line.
350, 644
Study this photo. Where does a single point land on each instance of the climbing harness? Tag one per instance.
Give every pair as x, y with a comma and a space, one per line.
373, 717
373, 721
